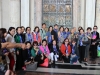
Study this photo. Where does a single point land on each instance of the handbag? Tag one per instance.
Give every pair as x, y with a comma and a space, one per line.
3, 67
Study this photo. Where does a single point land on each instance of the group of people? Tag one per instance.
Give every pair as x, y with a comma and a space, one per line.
55, 44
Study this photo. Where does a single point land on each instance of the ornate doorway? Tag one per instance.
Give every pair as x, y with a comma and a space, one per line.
58, 12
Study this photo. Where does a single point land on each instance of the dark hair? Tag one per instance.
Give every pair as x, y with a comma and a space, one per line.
65, 39
43, 24
2, 32
23, 27
36, 28
89, 28
55, 25
35, 43
18, 28
81, 29
95, 26
44, 41
61, 27
73, 40
10, 28
27, 28
27, 42
67, 28
50, 27
0, 45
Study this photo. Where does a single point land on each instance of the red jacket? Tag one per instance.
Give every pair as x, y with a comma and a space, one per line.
63, 49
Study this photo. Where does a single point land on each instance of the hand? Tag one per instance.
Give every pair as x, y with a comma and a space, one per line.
93, 43
23, 46
67, 55
17, 52
6, 54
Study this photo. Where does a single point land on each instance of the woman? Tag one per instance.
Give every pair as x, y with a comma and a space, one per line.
54, 51
61, 35
66, 32
28, 35
89, 35
44, 49
71, 36
82, 42
37, 55
36, 35
12, 55
19, 52
49, 36
28, 59
66, 50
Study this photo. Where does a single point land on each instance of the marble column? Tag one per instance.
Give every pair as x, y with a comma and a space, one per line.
10, 13
82, 13
38, 18
31, 14
90, 13
5, 15
75, 13
0, 13
97, 22
25, 13
14, 12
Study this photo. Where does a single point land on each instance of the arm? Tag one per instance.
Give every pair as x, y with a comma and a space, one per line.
12, 45
63, 50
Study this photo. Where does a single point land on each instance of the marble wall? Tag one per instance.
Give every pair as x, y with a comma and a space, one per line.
29, 13
97, 20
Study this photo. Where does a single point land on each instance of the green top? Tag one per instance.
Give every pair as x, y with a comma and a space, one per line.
33, 52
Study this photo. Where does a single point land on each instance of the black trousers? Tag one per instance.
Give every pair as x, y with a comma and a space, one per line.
66, 59
93, 52
81, 53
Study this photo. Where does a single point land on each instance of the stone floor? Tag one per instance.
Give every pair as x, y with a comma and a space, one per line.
66, 69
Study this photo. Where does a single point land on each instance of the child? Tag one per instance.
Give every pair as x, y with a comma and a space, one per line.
74, 57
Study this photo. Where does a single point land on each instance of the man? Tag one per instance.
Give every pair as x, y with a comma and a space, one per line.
93, 48
55, 33
43, 31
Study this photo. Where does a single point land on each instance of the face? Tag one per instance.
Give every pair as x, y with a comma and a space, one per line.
66, 42
73, 43
37, 29
5, 34
61, 29
56, 27
54, 42
74, 28
89, 31
28, 30
19, 31
12, 32
72, 31
51, 29
44, 26
35, 46
23, 30
94, 28
66, 30
44, 43
28, 45
81, 31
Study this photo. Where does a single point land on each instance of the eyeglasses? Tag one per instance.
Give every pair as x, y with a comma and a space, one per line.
94, 28
66, 41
